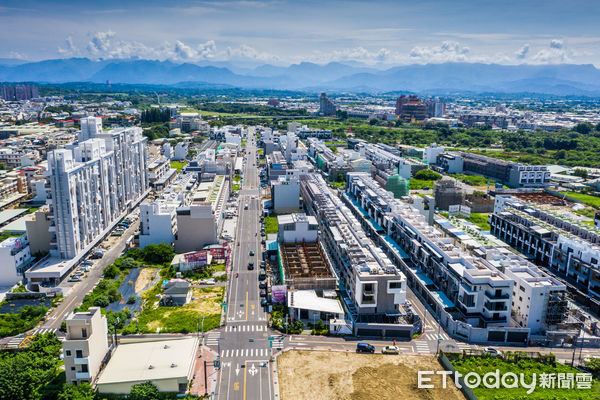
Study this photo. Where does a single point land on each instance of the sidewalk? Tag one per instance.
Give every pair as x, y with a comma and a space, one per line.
204, 354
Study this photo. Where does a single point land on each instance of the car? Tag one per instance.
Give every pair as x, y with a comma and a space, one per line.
250, 266
262, 285
365, 348
263, 302
390, 350
263, 264
425, 188
262, 242
88, 263
492, 352
263, 293
251, 252
75, 279
262, 276
245, 207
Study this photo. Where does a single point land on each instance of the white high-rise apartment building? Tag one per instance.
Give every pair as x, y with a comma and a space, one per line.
93, 184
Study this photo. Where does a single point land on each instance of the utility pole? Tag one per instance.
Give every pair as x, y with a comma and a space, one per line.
204, 316
115, 326
198, 327
205, 380
574, 349
437, 350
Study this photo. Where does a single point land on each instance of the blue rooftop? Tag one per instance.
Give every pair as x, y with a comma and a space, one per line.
399, 249
442, 298
422, 276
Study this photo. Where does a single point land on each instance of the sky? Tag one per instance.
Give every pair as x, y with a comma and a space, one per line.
280, 32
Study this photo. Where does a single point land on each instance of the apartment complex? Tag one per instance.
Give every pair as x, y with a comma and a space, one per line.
94, 184
565, 247
471, 295
411, 108
19, 92
85, 346
326, 106
507, 172
373, 289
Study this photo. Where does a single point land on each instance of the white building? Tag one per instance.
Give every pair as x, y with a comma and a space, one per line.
180, 152
285, 194
15, 256
431, 153
85, 346
297, 228
158, 222
93, 185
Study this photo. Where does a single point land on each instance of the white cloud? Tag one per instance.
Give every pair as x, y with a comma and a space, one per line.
247, 52
17, 55
523, 51
69, 49
556, 44
556, 53
447, 51
201, 52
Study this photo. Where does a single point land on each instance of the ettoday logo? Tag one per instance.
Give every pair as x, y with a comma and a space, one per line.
509, 380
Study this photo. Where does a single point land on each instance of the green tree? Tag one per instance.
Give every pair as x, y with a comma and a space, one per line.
427, 175
102, 301
128, 263
584, 128
581, 172
111, 271
144, 391
158, 253
84, 391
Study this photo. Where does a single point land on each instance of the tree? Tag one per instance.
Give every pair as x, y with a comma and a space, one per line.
144, 391
131, 299
561, 154
128, 263
373, 121
158, 253
584, 128
581, 172
427, 175
83, 391
102, 301
111, 271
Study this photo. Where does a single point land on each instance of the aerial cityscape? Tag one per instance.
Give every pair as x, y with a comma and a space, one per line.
279, 200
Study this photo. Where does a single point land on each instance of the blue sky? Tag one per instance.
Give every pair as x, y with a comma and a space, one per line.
282, 32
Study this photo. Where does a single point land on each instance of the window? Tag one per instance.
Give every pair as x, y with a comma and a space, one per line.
396, 285
72, 368
78, 354
84, 332
68, 353
84, 368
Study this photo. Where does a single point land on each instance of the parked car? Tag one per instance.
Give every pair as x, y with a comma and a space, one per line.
263, 265
263, 302
390, 350
365, 348
262, 276
263, 293
492, 352
88, 263
262, 285
75, 279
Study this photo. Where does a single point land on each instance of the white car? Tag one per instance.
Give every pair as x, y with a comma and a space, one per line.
390, 350
492, 352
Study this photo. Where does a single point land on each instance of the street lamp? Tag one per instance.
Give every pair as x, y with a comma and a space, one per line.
204, 316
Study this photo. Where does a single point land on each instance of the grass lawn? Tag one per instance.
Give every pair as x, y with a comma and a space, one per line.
178, 165
206, 301
417, 184
593, 201
474, 180
478, 219
528, 367
271, 225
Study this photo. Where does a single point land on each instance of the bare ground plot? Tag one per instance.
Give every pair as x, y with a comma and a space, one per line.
146, 276
316, 375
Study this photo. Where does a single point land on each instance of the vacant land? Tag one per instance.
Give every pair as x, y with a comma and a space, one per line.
184, 319
585, 198
145, 277
325, 375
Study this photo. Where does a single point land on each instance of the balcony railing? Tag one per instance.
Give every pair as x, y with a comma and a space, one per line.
494, 296
82, 375
80, 360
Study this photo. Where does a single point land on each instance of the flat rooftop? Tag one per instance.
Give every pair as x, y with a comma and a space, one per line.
308, 300
7, 215
153, 360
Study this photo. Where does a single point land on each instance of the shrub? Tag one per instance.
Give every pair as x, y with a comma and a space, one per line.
101, 301
132, 299
427, 175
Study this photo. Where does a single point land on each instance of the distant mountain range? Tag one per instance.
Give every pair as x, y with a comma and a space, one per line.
562, 79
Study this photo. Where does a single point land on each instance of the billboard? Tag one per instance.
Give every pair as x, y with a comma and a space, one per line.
279, 294
453, 210
200, 257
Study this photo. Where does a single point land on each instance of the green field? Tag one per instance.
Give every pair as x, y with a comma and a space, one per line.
528, 367
178, 165
474, 180
593, 201
271, 225
419, 184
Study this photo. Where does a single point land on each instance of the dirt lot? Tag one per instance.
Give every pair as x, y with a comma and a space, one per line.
206, 300
313, 375
145, 277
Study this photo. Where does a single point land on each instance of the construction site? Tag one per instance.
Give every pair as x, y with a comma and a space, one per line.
303, 265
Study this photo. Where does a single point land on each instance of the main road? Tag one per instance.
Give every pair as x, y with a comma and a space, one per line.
243, 342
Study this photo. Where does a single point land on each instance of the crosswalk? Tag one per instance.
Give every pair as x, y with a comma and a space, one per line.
234, 319
434, 336
212, 338
246, 353
41, 331
246, 328
278, 342
422, 347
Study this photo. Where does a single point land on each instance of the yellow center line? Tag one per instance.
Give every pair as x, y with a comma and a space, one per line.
65, 309
245, 368
246, 305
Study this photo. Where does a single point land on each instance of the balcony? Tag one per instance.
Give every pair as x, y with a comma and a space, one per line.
493, 296
80, 360
495, 307
82, 375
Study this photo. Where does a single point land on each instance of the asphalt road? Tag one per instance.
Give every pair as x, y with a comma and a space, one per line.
243, 342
